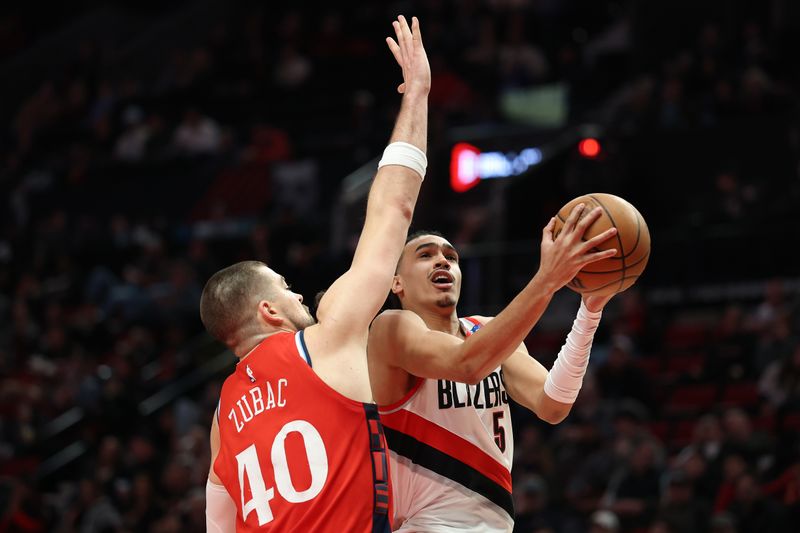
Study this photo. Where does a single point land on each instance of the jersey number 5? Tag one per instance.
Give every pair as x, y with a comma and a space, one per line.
260, 495
499, 431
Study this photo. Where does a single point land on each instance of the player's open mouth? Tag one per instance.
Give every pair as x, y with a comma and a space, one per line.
442, 279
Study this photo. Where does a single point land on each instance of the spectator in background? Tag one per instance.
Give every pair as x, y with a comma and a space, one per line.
774, 306
740, 438
754, 513
634, 488
603, 522
594, 454
532, 454
620, 378
780, 381
698, 472
482, 55
449, 91
132, 142
197, 134
293, 68
776, 343
533, 508
723, 523
521, 62
673, 108
732, 347
632, 315
680, 509
141, 137
735, 201
734, 466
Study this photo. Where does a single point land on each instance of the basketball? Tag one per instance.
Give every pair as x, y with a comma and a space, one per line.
632, 242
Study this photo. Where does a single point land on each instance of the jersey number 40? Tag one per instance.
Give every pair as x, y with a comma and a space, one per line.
249, 465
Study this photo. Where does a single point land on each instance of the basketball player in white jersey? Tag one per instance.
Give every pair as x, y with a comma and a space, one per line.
443, 384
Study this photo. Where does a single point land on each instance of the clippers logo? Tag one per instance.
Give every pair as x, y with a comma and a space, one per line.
250, 374
468, 165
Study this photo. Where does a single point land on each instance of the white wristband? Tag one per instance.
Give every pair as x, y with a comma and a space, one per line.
566, 377
406, 155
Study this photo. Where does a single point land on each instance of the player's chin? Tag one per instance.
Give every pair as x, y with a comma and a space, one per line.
446, 301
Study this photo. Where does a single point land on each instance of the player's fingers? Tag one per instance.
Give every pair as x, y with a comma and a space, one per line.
599, 256
572, 219
588, 220
415, 31
407, 38
401, 88
547, 232
398, 31
395, 49
600, 238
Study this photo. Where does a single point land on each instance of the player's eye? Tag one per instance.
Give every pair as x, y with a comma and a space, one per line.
424, 254
452, 257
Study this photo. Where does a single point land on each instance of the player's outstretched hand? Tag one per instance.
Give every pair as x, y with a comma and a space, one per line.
410, 55
564, 255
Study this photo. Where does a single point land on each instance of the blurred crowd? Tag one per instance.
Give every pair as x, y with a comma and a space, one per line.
123, 190
687, 422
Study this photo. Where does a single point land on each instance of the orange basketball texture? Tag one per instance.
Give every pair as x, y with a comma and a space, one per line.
632, 242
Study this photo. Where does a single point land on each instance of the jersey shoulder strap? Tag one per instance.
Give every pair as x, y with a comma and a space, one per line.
470, 325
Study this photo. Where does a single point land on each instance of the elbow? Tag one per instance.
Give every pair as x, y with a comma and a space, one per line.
470, 373
471, 378
403, 203
468, 376
394, 202
405, 208
554, 416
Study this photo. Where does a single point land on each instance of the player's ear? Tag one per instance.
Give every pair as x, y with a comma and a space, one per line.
268, 313
397, 285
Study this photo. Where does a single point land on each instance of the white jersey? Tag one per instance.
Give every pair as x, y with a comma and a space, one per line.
451, 449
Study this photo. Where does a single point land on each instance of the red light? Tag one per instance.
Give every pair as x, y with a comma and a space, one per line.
589, 148
464, 173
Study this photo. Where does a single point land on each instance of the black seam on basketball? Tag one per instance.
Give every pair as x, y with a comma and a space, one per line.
631, 265
586, 209
638, 233
639, 221
619, 240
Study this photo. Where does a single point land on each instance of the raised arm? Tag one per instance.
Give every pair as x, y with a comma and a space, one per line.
402, 340
355, 298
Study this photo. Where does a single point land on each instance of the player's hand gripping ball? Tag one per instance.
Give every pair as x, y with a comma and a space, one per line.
617, 273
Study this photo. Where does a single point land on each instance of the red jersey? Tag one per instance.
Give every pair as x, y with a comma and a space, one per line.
295, 455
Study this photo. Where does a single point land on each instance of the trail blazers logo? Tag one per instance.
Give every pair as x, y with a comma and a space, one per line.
490, 392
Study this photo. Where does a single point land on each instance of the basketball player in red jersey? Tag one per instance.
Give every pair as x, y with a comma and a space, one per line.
443, 383
296, 441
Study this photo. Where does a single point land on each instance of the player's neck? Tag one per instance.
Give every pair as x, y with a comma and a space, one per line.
439, 321
247, 345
